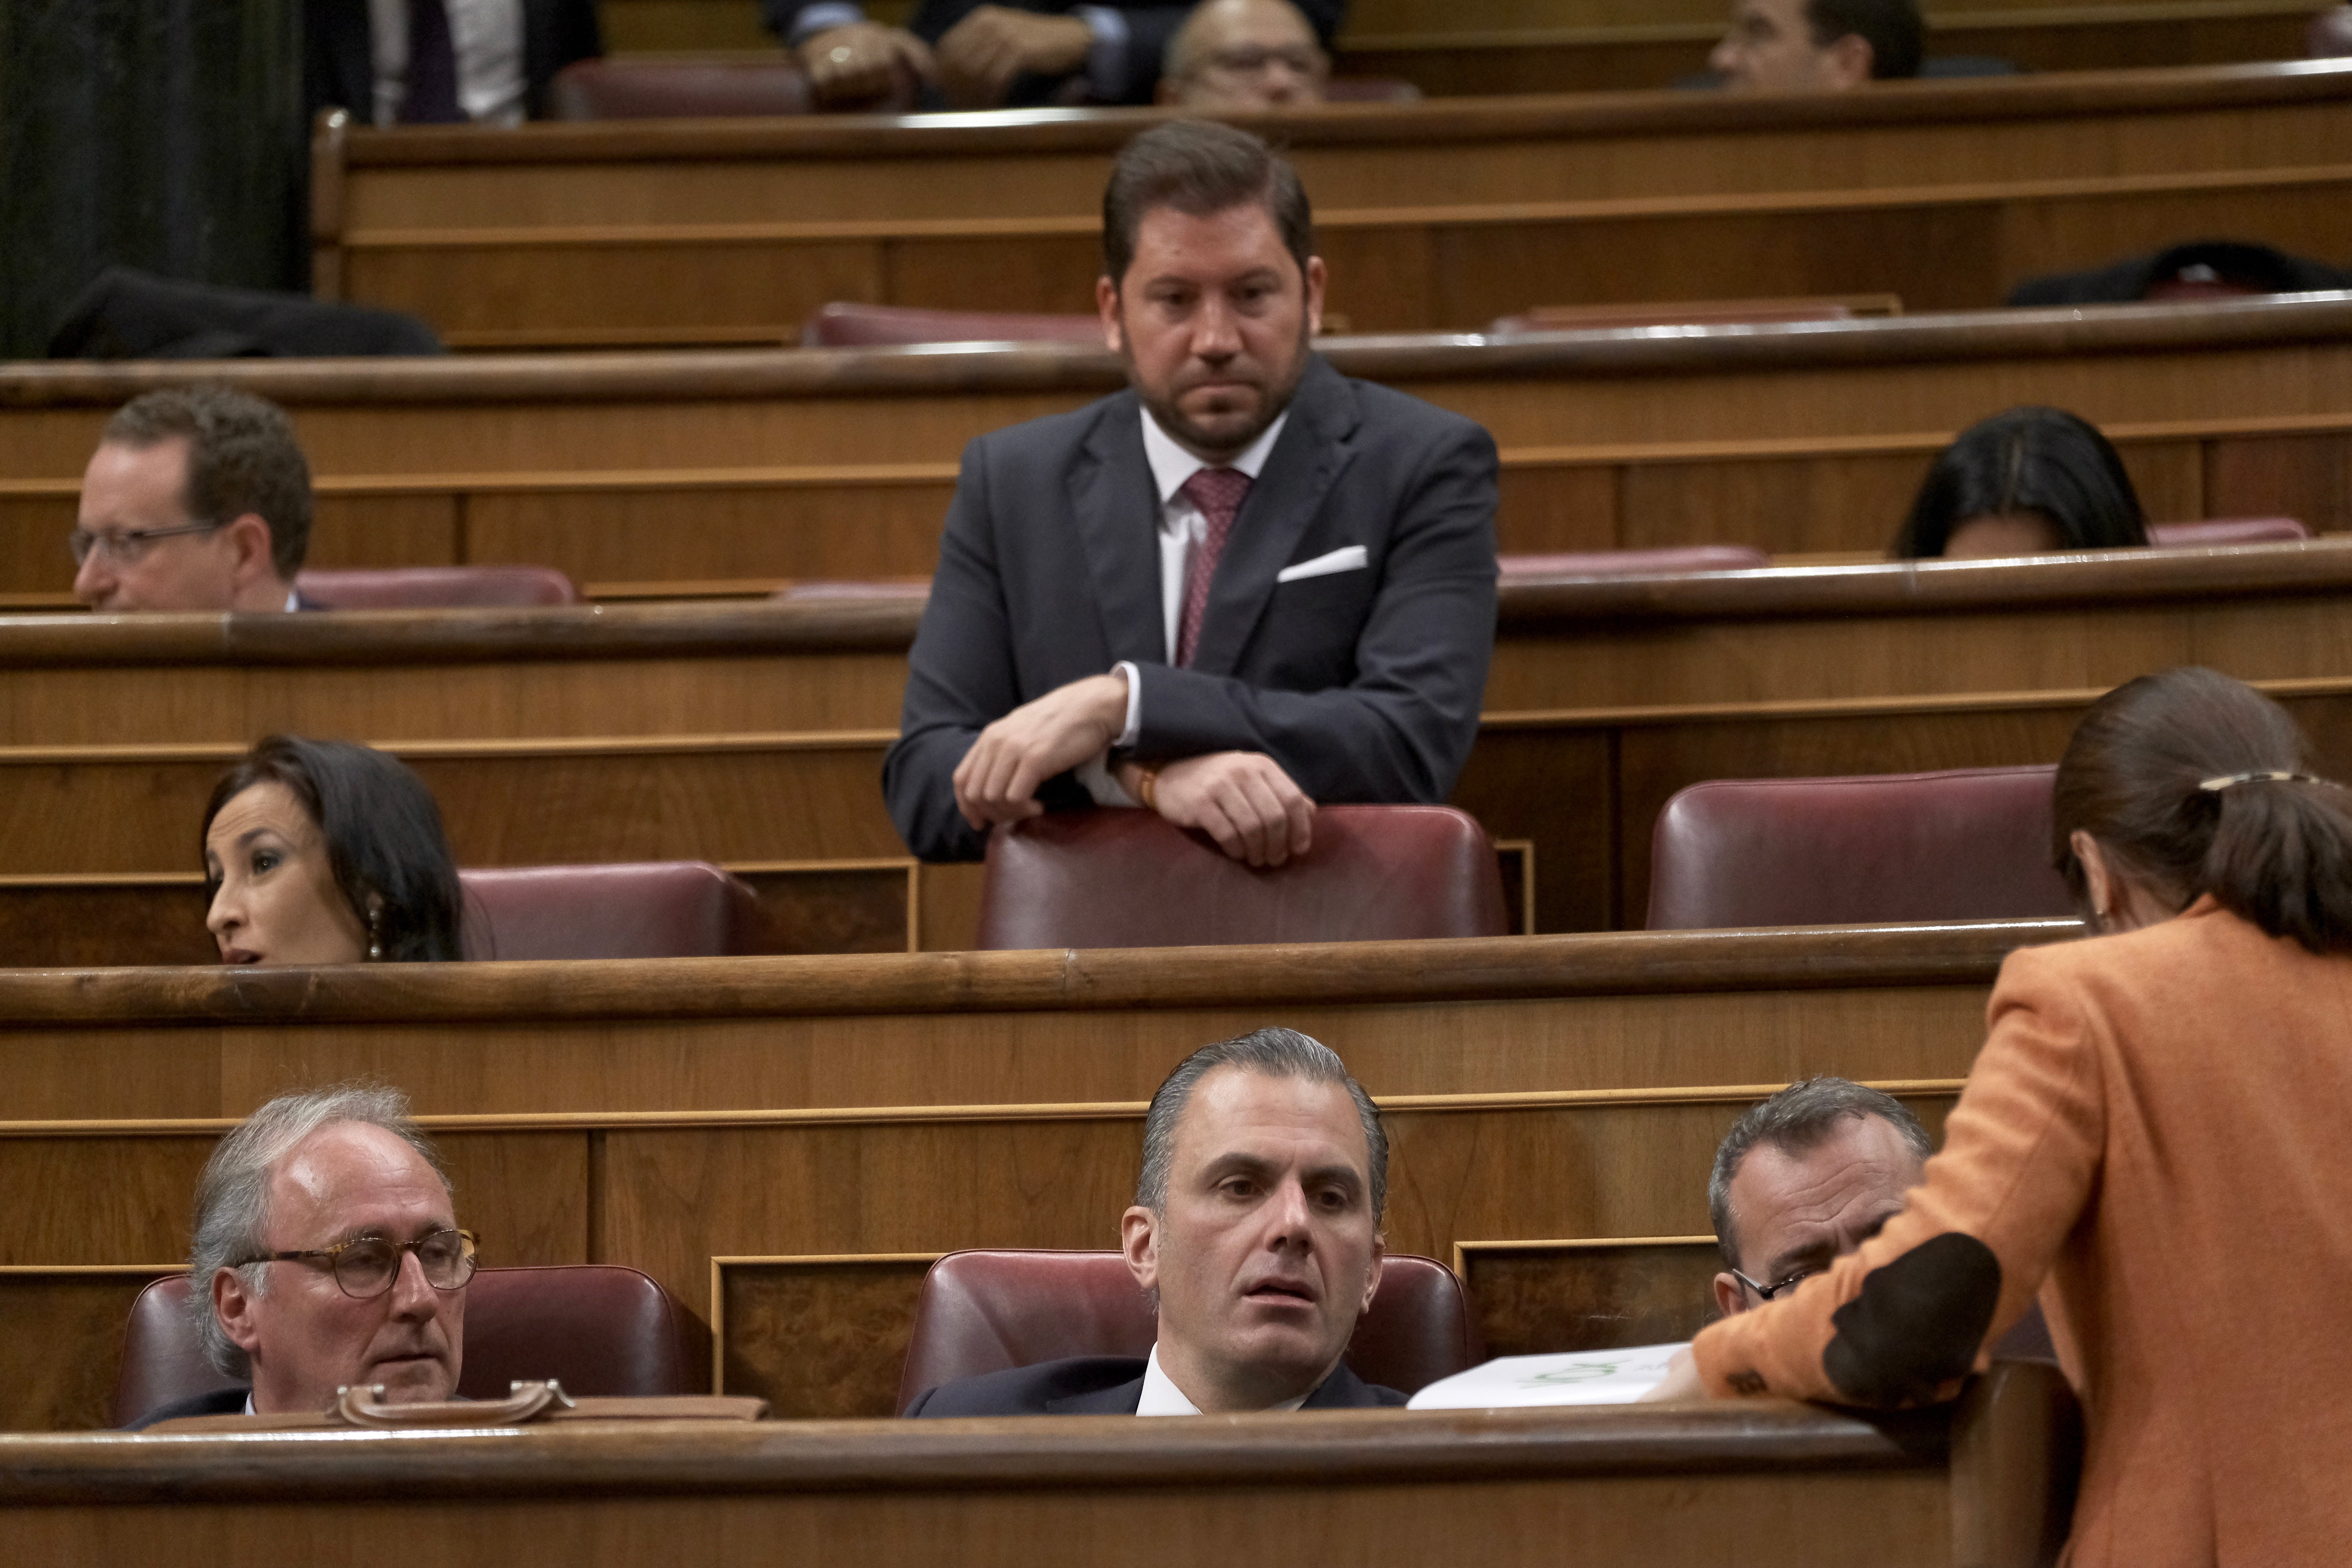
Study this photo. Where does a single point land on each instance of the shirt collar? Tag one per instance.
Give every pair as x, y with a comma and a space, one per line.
1171, 465
1161, 1395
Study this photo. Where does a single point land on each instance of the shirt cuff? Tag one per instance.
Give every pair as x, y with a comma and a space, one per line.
811, 20
1134, 729
1094, 773
1107, 56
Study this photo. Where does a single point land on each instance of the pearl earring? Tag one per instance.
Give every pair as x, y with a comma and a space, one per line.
375, 936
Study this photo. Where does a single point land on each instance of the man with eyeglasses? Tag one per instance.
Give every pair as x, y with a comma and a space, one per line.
1242, 56
198, 498
327, 1255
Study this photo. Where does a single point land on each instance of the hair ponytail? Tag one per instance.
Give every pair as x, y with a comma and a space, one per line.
2195, 784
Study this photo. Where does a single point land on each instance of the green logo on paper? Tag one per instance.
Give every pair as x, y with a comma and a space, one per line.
1586, 1372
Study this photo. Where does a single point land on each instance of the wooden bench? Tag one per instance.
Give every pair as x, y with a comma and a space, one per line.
664, 474
816, 1121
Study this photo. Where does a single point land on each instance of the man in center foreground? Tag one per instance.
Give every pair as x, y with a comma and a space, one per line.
1256, 1229
1243, 587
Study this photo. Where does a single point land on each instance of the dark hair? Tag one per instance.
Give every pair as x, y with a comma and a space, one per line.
1891, 28
1200, 168
2027, 460
2277, 852
1274, 1053
1795, 1120
382, 832
242, 457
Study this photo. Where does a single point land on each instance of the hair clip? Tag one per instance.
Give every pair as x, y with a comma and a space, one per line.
2215, 786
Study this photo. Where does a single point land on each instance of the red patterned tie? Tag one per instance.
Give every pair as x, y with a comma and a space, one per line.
1218, 493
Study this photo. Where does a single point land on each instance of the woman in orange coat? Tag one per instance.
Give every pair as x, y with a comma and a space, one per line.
2153, 1138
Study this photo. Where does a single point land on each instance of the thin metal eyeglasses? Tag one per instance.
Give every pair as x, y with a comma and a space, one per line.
1769, 1291
127, 548
366, 1266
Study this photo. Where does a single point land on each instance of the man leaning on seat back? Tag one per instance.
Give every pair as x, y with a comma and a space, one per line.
327, 1254
1256, 1229
198, 498
1818, 46
1245, 585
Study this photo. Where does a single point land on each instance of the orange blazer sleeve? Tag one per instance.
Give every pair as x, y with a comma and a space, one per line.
1902, 1320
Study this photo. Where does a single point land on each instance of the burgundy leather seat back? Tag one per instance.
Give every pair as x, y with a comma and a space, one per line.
438, 588
845, 324
1967, 845
678, 89
657, 909
2228, 530
1635, 563
2329, 34
597, 1328
986, 1312
1124, 877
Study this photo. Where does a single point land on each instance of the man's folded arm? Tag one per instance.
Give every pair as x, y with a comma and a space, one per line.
1402, 729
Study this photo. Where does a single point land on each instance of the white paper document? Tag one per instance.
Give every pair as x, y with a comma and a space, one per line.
1572, 1377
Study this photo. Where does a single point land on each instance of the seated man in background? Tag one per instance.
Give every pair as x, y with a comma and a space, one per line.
198, 498
984, 55
1818, 46
1255, 1230
1804, 1178
1245, 585
452, 62
1237, 55
326, 1255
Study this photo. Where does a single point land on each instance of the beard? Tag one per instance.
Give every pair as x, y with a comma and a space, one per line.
1224, 433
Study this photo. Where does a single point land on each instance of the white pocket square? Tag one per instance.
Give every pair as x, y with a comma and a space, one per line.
1347, 558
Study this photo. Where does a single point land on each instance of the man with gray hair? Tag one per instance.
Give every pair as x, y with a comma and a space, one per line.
327, 1254
1804, 1178
1255, 1230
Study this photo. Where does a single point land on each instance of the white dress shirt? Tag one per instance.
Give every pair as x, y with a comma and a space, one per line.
1183, 527
1162, 1397
487, 37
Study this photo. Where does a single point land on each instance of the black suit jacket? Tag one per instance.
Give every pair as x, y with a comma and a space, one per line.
1101, 1385
219, 1402
338, 57
1363, 684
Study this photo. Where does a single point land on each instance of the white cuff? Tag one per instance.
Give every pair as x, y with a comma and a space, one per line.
1134, 730
1095, 774
1107, 58
811, 20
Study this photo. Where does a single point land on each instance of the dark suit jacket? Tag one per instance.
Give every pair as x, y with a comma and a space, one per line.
1364, 685
2258, 267
1148, 30
219, 1402
338, 61
1101, 1385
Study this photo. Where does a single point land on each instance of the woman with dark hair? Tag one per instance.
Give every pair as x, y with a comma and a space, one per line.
2153, 1140
326, 852
2026, 480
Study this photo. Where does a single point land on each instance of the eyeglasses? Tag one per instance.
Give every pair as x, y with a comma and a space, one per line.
1769, 1291
129, 547
366, 1266
1252, 61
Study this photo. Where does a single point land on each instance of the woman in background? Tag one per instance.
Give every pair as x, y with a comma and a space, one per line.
327, 852
2025, 481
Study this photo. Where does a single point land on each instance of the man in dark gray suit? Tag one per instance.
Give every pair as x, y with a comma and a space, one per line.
1256, 1229
1243, 587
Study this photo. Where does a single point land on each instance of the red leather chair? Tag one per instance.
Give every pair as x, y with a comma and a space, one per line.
2228, 530
844, 324
657, 909
1124, 877
986, 1312
598, 1329
681, 90
1634, 563
2329, 34
1968, 845
438, 588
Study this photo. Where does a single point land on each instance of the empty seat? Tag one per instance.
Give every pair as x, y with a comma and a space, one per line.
843, 324
1124, 877
438, 588
988, 1312
597, 1328
2228, 530
657, 909
679, 90
1972, 843
1634, 563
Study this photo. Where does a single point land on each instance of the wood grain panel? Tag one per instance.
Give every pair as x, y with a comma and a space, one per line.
116, 1200
817, 1338
878, 528
2307, 477
1559, 793
351, 530
64, 1345
1536, 1297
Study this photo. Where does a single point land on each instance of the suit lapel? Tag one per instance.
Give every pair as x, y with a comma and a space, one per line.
1118, 512
1119, 1399
1313, 449
1343, 1390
